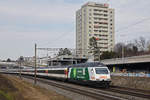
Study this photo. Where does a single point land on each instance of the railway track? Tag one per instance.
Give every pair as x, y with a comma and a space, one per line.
113, 93
132, 89
79, 90
132, 92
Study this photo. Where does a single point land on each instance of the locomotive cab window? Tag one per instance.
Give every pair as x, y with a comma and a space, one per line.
101, 70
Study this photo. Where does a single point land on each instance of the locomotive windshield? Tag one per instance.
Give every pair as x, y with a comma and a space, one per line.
101, 70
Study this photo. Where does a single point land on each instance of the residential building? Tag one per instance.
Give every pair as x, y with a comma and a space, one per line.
95, 20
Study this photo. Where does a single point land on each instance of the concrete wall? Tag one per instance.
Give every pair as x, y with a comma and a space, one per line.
132, 82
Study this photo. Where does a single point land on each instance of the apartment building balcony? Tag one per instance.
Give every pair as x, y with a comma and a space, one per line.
100, 26
101, 22
100, 19
100, 15
102, 10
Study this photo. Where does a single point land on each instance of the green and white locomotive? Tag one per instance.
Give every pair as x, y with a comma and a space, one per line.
90, 73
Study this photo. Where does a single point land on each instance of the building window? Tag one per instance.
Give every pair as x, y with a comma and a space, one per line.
96, 22
95, 34
95, 30
95, 9
105, 11
105, 15
89, 22
95, 18
89, 26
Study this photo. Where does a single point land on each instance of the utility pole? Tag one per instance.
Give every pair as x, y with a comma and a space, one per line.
47, 58
20, 61
20, 69
122, 55
72, 56
35, 64
122, 52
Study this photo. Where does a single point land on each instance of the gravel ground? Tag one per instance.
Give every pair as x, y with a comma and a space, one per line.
68, 94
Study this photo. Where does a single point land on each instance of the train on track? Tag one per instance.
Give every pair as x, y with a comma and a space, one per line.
96, 74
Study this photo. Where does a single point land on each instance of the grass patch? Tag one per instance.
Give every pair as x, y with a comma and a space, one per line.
12, 88
6, 96
7, 90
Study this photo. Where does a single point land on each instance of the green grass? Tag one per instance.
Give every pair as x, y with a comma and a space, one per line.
6, 95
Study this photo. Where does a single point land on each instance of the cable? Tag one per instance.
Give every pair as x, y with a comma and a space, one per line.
132, 25
60, 37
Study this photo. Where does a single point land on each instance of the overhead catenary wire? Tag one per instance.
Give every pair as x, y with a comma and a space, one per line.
65, 34
119, 30
132, 25
55, 39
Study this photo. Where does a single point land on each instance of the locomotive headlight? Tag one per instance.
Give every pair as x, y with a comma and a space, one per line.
92, 77
92, 70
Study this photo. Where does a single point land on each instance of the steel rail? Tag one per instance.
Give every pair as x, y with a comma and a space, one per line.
130, 92
94, 95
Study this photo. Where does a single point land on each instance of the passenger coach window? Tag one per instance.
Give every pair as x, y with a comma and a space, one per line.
101, 71
56, 71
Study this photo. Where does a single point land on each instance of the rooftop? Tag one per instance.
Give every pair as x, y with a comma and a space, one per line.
95, 4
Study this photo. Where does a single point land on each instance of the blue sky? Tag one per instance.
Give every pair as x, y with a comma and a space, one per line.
51, 23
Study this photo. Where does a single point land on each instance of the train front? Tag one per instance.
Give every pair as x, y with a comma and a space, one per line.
100, 76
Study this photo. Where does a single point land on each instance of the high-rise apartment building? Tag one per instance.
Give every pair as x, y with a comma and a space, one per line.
95, 20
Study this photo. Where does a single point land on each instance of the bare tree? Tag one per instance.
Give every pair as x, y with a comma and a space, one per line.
142, 41
141, 44
148, 46
65, 51
137, 47
126, 50
118, 49
131, 50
